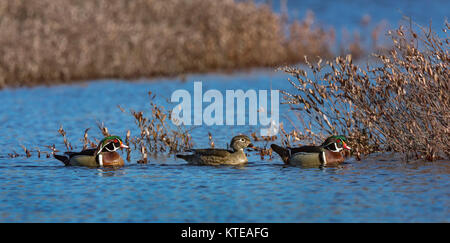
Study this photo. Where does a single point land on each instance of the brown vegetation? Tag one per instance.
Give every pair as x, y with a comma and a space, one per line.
401, 103
49, 41
157, 135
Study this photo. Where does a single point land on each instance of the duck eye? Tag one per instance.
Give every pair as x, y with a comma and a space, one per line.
242, 140
339, 141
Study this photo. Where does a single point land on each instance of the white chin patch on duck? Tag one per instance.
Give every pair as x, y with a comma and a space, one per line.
334, 148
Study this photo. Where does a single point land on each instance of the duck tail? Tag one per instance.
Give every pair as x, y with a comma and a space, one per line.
283, 152
62, 158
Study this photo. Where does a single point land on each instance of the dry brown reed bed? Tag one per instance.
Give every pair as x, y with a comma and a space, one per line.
47, 41
400, 104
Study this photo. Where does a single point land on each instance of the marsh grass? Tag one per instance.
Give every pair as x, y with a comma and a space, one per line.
47, 41
261, 145
400, 103
157, 133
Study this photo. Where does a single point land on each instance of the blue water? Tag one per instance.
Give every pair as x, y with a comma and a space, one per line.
347, 14
380, 188
377, 189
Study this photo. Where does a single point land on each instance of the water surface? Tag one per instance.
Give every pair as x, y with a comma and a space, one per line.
377, 189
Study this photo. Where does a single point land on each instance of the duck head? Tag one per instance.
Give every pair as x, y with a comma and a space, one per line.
110, 144
240, 142
335, 143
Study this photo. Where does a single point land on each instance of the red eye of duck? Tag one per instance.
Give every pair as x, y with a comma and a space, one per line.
116, 141
338, 141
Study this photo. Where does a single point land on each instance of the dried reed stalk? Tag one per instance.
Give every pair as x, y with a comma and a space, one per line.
400, 104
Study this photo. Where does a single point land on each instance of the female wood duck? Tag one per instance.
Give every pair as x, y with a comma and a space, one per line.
329, 153
104, 155
220, 156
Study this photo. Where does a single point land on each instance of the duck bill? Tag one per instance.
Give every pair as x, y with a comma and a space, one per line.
123, 146
346, 147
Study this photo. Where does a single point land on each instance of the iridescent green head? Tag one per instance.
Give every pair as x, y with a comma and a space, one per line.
110, 144
336, 143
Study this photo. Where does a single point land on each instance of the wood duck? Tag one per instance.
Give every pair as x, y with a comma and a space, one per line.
211, 156
104, 155
329, 153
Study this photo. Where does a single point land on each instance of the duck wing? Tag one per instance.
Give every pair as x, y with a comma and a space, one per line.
87, 152
306, 149
286, 152
212, 152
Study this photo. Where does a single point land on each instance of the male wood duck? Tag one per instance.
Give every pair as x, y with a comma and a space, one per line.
211, 156
104, 155
329, 153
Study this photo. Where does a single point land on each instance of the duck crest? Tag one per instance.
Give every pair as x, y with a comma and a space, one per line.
107, 140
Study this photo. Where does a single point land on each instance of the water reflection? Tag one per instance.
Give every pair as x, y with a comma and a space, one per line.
111, 171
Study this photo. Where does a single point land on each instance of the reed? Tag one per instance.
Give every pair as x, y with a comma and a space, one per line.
47, 41
264, 149
399, 103
66, 141
211, 141
157, 133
